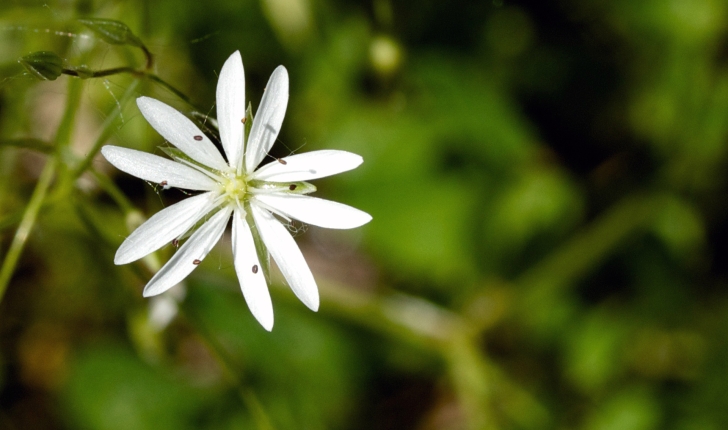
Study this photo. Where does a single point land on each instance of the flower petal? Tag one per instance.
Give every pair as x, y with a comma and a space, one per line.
231, 108
315, 211
157, 169
193, 251
250, 272
268, 119
309, 165
163, 227
288, 256
181, 132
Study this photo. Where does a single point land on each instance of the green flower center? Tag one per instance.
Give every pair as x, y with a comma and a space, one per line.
233, 188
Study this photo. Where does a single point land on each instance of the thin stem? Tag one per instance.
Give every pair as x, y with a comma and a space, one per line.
29, 143
149, 57
63, 136
26, 224
89, 74
113, 191
100, 73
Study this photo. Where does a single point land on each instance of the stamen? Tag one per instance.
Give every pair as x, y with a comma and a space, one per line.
255, 268
292, 187
282, 161
197, 262
198, 138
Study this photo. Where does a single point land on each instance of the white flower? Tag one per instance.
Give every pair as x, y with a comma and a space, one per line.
234, 188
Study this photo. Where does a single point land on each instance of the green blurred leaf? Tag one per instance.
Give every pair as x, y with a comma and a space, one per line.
595, 351
304, 371
110, 388
630, 409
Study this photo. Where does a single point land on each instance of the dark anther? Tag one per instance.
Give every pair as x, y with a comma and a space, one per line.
175, 243
163, 183
282, 161
255, 268
243, 120
292, 187
196, 262
198, 138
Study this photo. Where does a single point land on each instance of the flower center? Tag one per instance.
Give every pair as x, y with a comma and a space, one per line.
233, 188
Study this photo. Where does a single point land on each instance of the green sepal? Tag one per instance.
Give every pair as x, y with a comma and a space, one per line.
44, 65
206, 122
260, 248
179, 156
112, 31
248, 120
284, 187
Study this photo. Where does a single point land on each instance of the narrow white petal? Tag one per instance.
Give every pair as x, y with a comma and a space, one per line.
157, 169
183, 261
268, 119
288, 256
250, 272
309, 165
163, 227
315, 211
181, 132
231, 108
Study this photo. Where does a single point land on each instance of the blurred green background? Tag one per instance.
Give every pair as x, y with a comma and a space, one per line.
548, 249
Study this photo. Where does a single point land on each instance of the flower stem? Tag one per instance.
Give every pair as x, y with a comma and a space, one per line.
63, 137
26, 224
144, 74
113, 191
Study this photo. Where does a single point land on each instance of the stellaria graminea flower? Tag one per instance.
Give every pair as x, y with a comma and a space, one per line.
234, 188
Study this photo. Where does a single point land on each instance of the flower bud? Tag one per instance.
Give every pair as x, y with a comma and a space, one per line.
44, 65
112, 31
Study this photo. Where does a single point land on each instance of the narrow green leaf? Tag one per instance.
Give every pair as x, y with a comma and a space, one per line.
286, 187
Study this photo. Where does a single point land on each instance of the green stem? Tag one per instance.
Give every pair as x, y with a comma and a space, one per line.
149, 57
143, 74
63, 137
88, 74
586, 249
26, 224
114, 192
30, 144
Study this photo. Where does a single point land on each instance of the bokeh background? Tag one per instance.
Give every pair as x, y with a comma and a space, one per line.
548, 249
